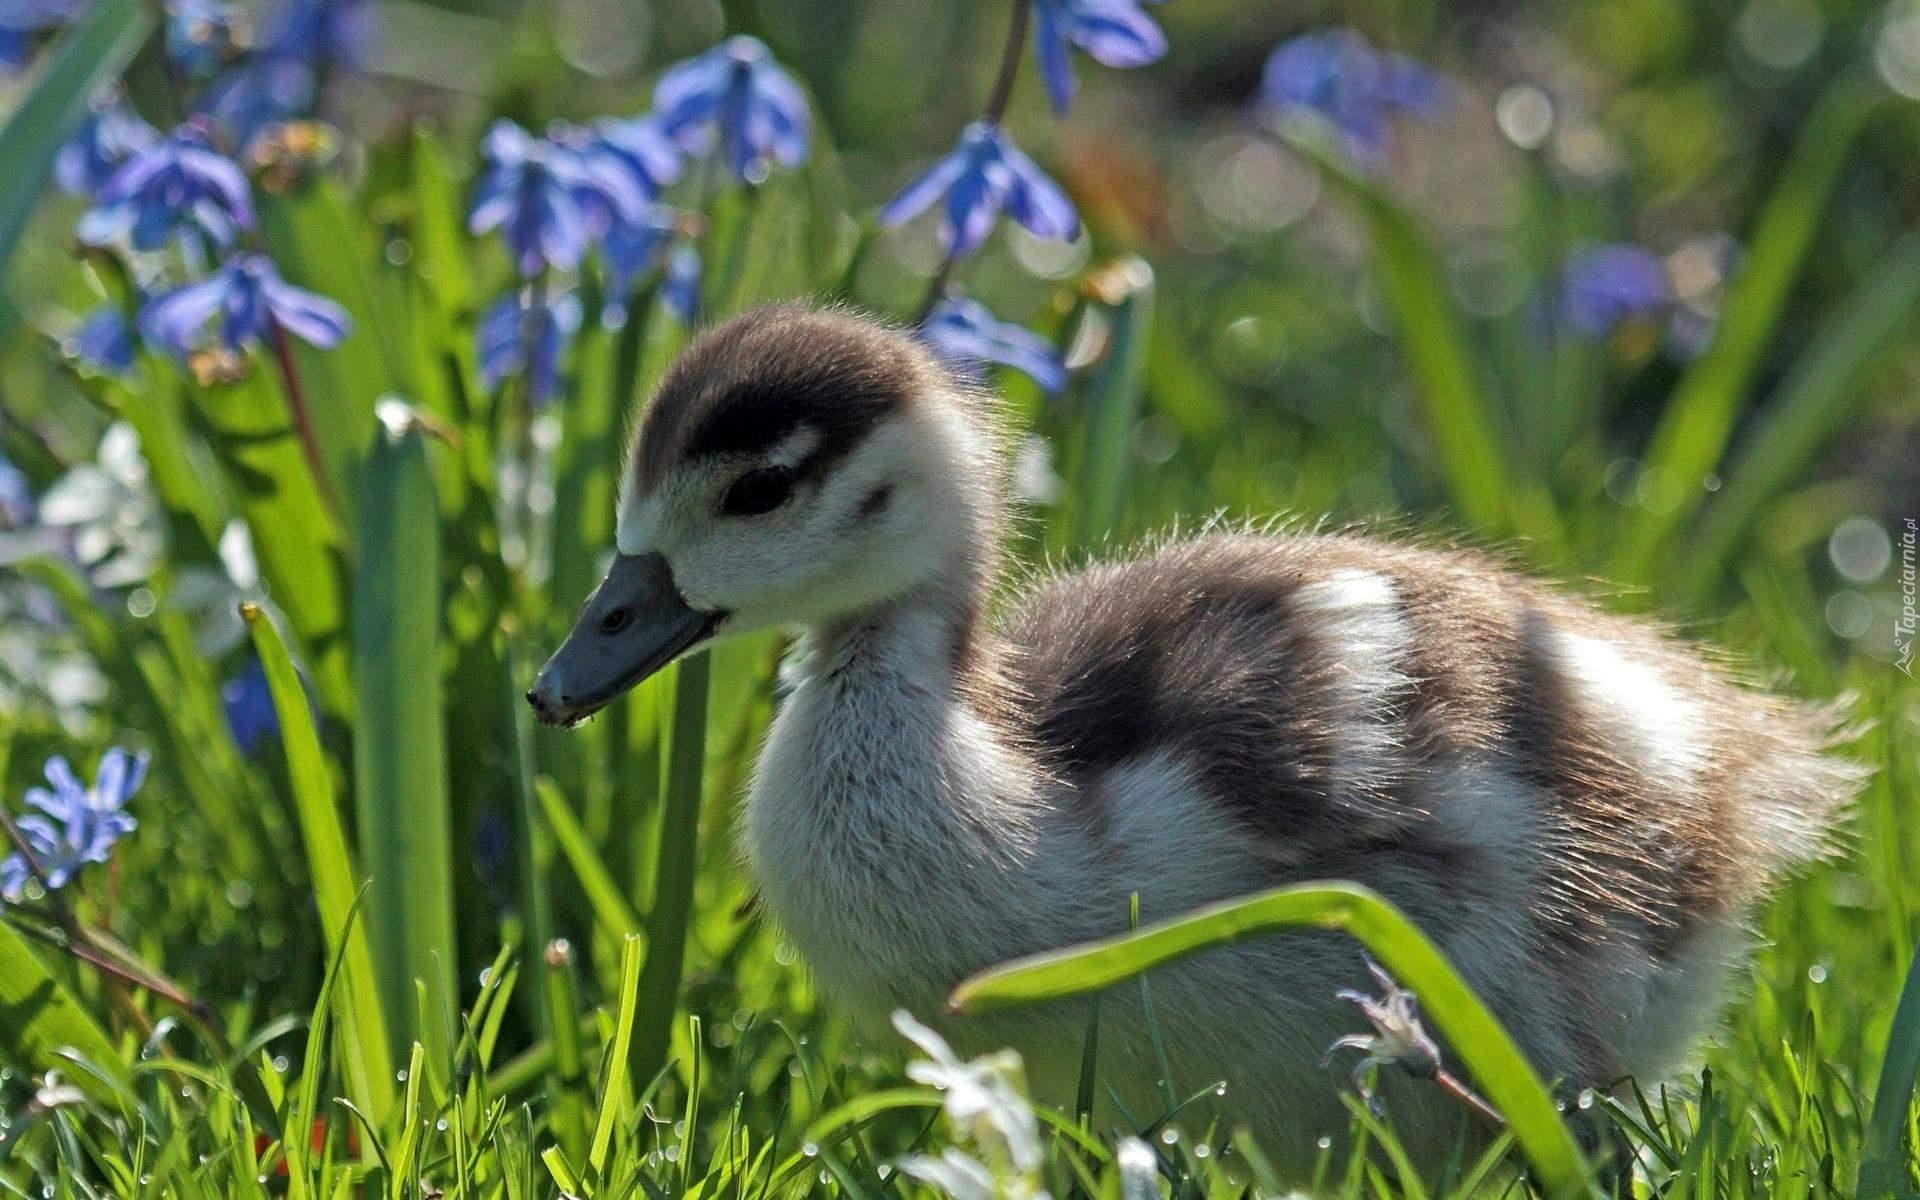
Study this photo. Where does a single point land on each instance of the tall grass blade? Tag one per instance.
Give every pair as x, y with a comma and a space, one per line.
1884, 1159
1454, 408
1693, 431
675, 864
399, 740
39, 1019
1810, 407
1507, 1078
94, 51
299, 550
366, 1054
608, 899
1113, 405
614, 1100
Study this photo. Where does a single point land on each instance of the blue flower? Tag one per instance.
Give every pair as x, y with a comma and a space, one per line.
1603, 287
177, 183
107, 138
737, 92
22, 21
644, 147
680, 289
319, 32
633, 248
1114, 33
74, 825
250, 298
280, 81
606, 183
1337, 76
204, 34
548, 201
984, 174
258, 92
517, 338
104, 342
964, 334
249, 706
16, 496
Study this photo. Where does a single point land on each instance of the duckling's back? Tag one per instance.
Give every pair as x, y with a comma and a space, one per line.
1535, 781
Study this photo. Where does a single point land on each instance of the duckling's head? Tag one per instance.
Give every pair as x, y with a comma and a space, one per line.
796, 467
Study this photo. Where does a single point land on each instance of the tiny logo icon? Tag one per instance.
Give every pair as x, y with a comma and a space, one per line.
1903, 627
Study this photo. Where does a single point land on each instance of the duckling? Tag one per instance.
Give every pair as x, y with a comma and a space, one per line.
1581, 812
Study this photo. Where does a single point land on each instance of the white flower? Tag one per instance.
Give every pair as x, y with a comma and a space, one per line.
1398, 1038
983, 1098
1139, 1170
955, 1172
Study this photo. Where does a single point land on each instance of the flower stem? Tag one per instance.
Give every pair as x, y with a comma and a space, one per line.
995, 110
1452, 1085
1009, 63
303, 421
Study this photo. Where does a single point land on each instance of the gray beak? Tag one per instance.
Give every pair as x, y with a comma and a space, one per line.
634, 623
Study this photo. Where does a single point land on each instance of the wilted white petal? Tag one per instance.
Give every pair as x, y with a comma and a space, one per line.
1139, 1170
954, 1172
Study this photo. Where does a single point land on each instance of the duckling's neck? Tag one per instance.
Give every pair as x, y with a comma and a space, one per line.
892, 826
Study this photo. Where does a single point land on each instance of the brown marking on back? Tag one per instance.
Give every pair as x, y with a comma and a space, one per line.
749, 383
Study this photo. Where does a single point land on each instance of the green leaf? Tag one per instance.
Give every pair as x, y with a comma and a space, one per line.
1883, 1155
613, 1089
40, 1022
1454, 408
366, 1059
676, 861
92, 52
1506, 1077
609, 903
1113, 408
399, 736
320, 242
297, 545
1699, 418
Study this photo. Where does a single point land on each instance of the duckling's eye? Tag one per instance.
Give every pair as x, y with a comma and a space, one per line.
760, 490
614, 621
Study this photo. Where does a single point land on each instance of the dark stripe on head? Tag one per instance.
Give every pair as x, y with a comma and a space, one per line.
753, 382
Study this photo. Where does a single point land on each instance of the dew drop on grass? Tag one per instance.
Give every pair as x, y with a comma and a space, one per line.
1325, 1142
1220, 1090
400, 1076
1817, 973
886, 1171
441, 1125
810, 1150
280, 1063
1586, 1099
1201, 1150
672, 1153
1170, 1136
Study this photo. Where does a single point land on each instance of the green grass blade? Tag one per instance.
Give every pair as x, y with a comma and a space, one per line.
1883, 1156
297, 545
1113, 408
366, 1057
39, 1020
675, 865
1458, 416
1810, 407
1693, 431
94, 51
1508, 1080
613, 1089
609, 901
399, 742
